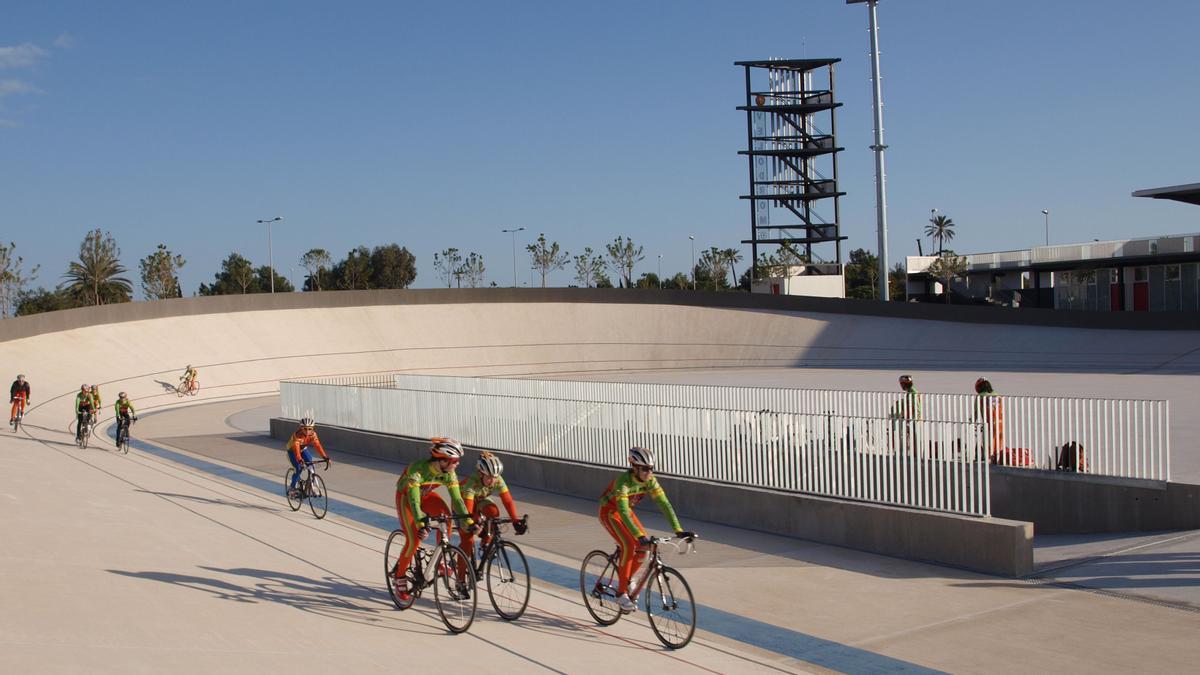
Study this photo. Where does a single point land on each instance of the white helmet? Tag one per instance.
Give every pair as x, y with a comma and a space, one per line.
490, 464
639, 456
446, 448
307, 422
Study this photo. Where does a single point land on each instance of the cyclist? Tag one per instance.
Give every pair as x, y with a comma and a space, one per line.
476, 494
188, 379
617, 517
416, 501
124, 412
905, 413
301, 440
18, 396
85, 404
96, 405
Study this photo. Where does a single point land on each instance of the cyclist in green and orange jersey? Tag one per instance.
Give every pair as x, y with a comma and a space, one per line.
84, 403
416, 500
124, 411
96, 398
617, 517
477, 494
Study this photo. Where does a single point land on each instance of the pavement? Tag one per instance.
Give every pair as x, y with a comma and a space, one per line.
182, 555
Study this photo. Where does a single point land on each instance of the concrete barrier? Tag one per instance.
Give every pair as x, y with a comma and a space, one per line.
989, 545
1069, 503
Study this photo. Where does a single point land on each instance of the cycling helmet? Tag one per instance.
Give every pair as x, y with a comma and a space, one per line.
490, 465
20, 377
307, 422
906, 379
83, 387
641, 457
446, 448
121, 395
982, 385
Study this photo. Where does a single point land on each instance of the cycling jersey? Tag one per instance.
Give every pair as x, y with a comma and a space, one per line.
18, 389
301, 439
474, 490
96, 399
421, 479
624, 493
124, 407
84, 402
189, 374
908, 407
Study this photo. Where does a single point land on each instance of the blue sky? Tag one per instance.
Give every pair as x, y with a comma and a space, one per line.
439, 124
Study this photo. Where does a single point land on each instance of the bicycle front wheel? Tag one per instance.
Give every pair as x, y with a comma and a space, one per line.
83, 439
670, 607
598, 581
402, 597
294, 501
507, 576
318, 498
454, 589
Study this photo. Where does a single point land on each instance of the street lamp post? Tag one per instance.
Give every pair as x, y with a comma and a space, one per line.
660, 270
514, 232
692, 238
270, 255
932, 217
1047, 214
878, 147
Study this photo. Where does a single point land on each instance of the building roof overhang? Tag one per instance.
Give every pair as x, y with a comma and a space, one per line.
1188, 194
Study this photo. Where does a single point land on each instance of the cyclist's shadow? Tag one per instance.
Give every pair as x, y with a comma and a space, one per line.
331, 597
167, 387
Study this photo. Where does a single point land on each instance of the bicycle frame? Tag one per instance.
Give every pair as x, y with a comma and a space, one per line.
443, 536
494, 541
653, 562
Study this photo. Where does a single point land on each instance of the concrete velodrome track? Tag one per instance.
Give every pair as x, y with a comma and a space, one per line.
182, 555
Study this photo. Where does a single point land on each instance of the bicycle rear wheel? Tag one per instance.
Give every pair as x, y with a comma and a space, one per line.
670, 607
455, 597
391, 557
318, 498
507, 576
123, 439
294, 502
85, 436
598, 582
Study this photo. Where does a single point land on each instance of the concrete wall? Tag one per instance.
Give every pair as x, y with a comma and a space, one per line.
1067, 503
990, 545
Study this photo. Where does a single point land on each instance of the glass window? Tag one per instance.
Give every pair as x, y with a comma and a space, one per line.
1140, 274
1172, 272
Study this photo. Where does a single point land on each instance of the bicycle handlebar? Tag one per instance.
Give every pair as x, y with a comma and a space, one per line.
443, 519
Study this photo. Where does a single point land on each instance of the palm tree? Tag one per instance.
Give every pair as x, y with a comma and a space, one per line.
940, 228
733, 257
93, 279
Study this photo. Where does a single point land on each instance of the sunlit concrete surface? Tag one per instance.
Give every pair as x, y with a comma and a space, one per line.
182, 555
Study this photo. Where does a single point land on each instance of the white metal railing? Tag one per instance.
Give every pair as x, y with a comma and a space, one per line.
929, 464
1127, 438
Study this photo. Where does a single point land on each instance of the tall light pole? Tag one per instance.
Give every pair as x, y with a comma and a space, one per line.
932, 216
878, 147
270, 256
660, 270
692, 238
1047, 214
514, 232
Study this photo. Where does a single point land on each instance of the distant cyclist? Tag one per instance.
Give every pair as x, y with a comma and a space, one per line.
18, 396
416, 500
188, 379
96, 404
989, 410
906, 413
299, 443
617, 517
476, 494
85, 404
124, 412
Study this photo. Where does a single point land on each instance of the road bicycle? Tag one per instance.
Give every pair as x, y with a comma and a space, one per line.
505, 572
16, 420
123, 424
84, 433
310, 488
445, 567
187, 388
669, 603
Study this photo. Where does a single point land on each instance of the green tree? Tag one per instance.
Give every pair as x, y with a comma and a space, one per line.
603, 281
648, 280
95, 278
237, 276
623, 255
12, 279
447, 263
940, 228
42, 300
678, 282
316, 262
897, 282
263, 281
711, 272
547, 257
947, 268
862, 275
160, 274
472, 270
589, 267
392, 266
354, 271
732, 258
